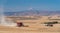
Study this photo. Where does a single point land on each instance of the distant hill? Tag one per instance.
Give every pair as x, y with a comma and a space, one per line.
31, 12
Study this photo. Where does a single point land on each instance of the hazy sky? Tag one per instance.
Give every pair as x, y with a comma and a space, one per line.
20, 5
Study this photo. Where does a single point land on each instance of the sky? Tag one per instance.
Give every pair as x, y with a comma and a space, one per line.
21, 5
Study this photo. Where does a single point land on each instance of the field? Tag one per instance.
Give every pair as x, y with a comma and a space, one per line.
34, 26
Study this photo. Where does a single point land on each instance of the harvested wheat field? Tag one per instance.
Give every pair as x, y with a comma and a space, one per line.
32, 26
32, 29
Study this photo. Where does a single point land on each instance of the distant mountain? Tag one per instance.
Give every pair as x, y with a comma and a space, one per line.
31, 12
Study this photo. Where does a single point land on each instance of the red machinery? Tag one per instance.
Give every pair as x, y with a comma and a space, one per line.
20, 24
